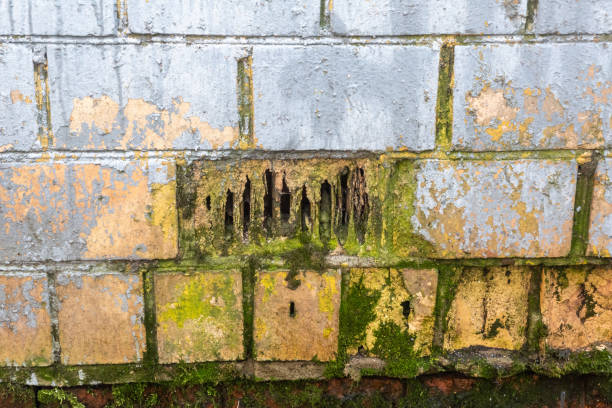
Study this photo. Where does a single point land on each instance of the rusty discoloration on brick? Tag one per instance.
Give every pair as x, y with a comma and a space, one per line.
117, 209
577, 307
305, 331
144, 124
199, 316
600, 230
25, 323
495, 209
406, 298
489, 309
100, 318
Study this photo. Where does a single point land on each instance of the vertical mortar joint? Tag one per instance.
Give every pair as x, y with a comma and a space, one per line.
444, 104
246, 110
43, 105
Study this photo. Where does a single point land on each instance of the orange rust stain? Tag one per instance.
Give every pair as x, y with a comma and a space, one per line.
489, 105
17, 96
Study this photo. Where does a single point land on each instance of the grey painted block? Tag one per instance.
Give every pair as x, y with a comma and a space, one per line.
600, 230
18, 127
227, 17
480, 209
153, 97
58, 17
414, 17
345, 97
574, 16
544, 96
115, 209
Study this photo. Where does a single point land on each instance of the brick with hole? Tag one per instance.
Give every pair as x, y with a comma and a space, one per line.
25, 322
489, 309
100, 318
199, 316
576, 305
384, 306
296, 315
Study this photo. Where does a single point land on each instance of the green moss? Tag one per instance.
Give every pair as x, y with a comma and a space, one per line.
494, 329
396, 347
582, 207
444, 106
57, 396
448, 278
132, 396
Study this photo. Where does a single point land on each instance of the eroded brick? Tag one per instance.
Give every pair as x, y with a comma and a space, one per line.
18, 129
489, 309
474, 209
51, 17
573, 16
345, 97
410, 17
230, 17
395, 301
576, 306
296, 317
100, 318
536, 96
25, 323
199, 316
133, 97
88, 210
600, 229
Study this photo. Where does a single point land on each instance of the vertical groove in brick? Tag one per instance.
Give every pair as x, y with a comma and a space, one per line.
535, 327
53, 312
246, 109
122, 16
325, 16
444, 104
532, 9
150, 321
248, 306
43, 107
445, 292
582, 204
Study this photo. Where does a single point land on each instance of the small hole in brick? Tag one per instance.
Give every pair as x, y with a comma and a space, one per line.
305, 210
229, 215
246, 208
208, 203
405, 308
325, 212
342, 206
285, 204
361, 205
291, 309
269, 202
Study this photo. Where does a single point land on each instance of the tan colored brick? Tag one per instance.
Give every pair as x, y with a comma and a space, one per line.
25, 324
404, 298
117, 209
489, 309
576, 306
100, 318
313, 330
199, 316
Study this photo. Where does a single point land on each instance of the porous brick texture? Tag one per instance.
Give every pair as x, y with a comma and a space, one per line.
244, 198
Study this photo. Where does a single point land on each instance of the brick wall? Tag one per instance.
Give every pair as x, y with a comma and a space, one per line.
294, 189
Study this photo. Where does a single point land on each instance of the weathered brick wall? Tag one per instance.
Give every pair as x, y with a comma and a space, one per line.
294, 189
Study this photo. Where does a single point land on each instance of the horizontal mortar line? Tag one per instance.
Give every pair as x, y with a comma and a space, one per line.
424, 39
256, 154
332, 261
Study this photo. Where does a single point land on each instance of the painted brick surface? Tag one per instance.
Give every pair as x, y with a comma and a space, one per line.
495, 209
100, 318
229, 17
577, 308
199, 316
600, 230
66, 17
402, 302
151, 98
18, 129
25, 323
87, 210
574, 16
521, 97
489, 309
413, 17
345, 97
307, 331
